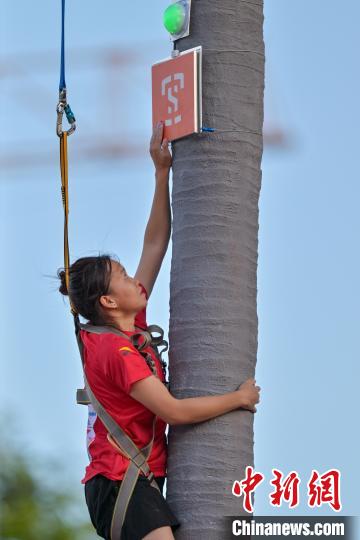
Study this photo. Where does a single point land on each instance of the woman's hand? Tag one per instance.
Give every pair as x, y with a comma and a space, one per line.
159, 149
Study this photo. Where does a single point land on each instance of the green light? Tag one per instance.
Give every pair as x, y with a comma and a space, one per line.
174, 18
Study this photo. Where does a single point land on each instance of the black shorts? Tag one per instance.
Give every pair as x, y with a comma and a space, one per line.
147, 509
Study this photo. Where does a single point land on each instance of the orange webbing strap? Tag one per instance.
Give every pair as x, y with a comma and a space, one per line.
65, 200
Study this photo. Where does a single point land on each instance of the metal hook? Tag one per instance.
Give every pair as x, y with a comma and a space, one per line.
61, 108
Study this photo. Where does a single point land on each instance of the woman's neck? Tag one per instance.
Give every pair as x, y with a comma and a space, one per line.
124, 322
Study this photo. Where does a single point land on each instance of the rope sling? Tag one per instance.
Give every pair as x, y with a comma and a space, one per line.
140, 339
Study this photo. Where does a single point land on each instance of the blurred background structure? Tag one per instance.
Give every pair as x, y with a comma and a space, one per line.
308, 263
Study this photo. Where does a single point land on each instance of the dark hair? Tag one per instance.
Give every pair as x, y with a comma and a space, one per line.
89, 278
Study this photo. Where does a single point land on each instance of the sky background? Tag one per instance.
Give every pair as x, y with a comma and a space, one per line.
308, 267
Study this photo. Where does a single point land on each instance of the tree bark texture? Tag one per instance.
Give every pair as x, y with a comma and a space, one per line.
213, 282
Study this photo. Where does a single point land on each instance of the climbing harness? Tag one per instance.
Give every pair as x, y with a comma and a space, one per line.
116, 435
148, 340
141, 339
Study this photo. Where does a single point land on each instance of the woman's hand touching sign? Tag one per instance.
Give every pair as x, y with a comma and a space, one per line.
159, 149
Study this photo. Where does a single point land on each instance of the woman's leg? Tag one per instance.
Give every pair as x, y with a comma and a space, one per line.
162, 533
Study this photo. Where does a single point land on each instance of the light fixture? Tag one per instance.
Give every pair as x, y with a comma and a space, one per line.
177, 19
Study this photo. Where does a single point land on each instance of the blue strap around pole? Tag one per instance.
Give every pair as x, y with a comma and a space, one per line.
62, 65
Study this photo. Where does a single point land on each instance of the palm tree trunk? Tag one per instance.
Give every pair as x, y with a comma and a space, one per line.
213, 286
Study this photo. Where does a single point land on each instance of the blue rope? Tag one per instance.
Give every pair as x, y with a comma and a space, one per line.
62, 85
209, 129
62, 64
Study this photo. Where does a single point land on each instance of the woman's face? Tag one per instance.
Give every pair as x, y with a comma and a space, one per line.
125, 293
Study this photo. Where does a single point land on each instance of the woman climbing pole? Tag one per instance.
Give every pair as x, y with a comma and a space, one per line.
125, 378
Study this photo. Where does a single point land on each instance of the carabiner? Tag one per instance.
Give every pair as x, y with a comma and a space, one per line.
64, 107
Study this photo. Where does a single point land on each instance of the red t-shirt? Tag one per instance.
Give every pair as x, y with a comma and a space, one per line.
112, 365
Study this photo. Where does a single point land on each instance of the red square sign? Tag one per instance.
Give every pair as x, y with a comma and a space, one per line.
176, 94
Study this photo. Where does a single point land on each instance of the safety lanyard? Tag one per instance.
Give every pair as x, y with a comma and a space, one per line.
62, 107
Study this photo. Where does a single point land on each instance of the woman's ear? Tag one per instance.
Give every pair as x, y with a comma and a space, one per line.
107, 302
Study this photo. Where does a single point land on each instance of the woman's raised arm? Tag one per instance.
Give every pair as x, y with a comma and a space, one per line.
158, 229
